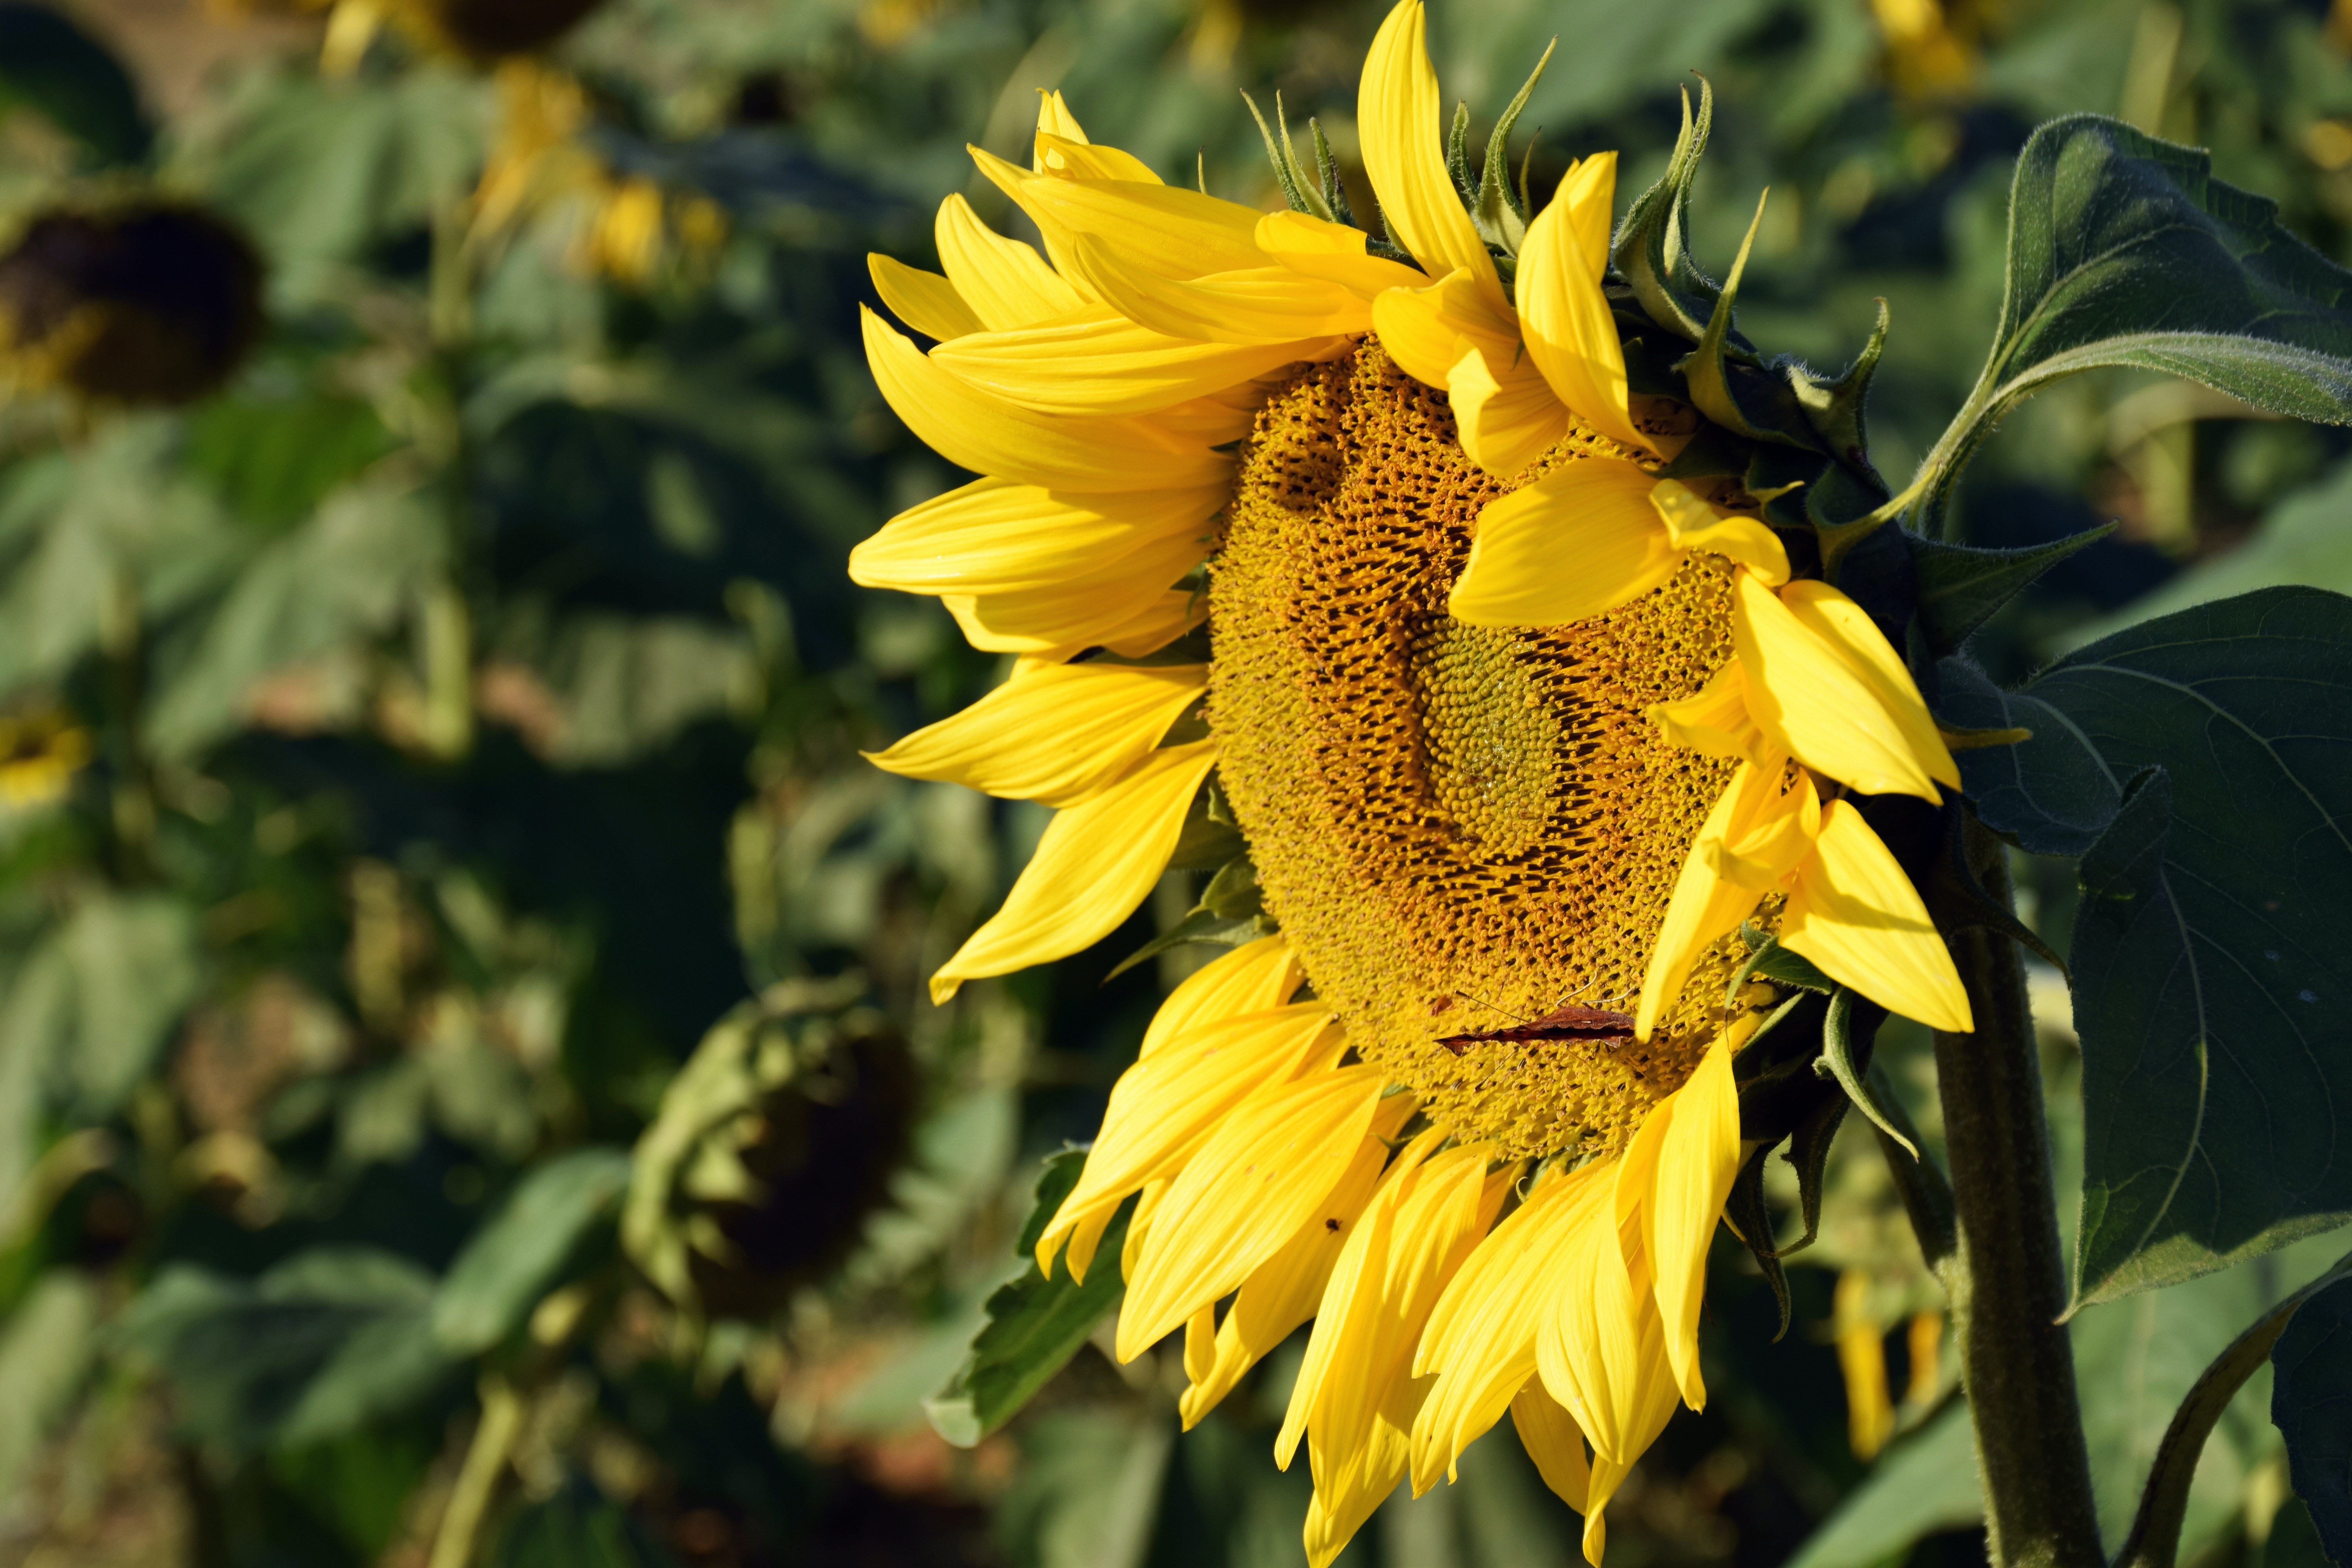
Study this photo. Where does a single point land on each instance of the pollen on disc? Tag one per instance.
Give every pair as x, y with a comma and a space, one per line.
1455, 826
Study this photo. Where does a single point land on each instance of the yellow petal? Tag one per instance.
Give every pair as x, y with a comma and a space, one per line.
1508, 421
1094, 866
1715, 891
1480, 1341
994, 536
1826, 688
1050, 627
1165, 229
1055, 734
1253, 1184
1333, 252
1283, 1291
1353, 1488
1057, 155
924, 301
1853, 913
1096, 361
1261, 305
1400, 123
1600, 1349
1421, 1227
1084, 609
1692, 524
1414, 329
1055, 119
1581, 539
1862, 1358
1698, 1159
1006, 284
1554, 1441
1139, 1225
1713, 719
1251, 978
1570, 334
1163, 1110
989, 435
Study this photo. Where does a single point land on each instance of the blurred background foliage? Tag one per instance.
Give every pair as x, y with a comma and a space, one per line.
466, 1093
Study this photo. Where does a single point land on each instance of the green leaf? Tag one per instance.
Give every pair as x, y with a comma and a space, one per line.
521, 1251
1201, 925
49, 65
274, 460
1960, 586
577, 1526
2054, 794
2311, 1402
45, 1350
1035, 1324
1927, 1482
1852, 1069
2125, 250
327, 1342
2212, 949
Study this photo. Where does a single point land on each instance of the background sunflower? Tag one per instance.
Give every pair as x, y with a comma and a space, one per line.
471, 1089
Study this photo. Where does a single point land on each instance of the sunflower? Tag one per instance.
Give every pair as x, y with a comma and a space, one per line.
1362, 550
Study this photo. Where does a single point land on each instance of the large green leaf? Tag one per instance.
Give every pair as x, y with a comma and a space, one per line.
1927, 1483
2212, 953
520, 1250
49, 65
2311, 1401
2125, 250
1035, 1324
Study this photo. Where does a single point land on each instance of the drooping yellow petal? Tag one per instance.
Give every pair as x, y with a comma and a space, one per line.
994, 536
924, 301
988, 435
1400, 123
1096, 361
1163, 1110
1862, 1358
1333, 252
1055, 119
1421, 1225
1261, 305
1692, 524
1480, 1341
1006, 284
1055, 735
1570, 334
1600, 1349
1283, 1291
1351, 1488
1825, 687
1276, 1158
1094, 865
1715, 719
1772, 827
1414, 332
1507, 420
1554, 1441
1079, 159
1138, 1226
1699, 1157
1581, 539
1853, 913
1253, 978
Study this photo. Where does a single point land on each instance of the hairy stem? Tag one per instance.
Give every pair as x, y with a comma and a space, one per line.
2007, 1281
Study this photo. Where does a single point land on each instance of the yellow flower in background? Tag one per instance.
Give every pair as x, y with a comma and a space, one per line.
1370, 557
39, 755
481, 30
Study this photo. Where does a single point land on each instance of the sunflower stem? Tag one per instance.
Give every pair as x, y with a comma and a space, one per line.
2007, 1281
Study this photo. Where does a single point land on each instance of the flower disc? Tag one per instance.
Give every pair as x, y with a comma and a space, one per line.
1459, 827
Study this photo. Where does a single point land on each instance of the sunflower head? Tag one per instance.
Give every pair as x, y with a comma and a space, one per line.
1525, 643
145, 301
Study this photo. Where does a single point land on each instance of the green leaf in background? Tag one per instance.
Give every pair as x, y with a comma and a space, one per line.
1927, 1483
50, 66
273, 459
45, 1353
2311, 1401
1035, 1324
1960, 586
330, 1340
2125, 250
520, 1250
2212, 949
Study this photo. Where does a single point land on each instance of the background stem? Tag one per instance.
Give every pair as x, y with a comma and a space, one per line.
2007, 1282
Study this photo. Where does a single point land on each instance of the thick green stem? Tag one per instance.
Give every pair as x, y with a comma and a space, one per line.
2008, 1282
